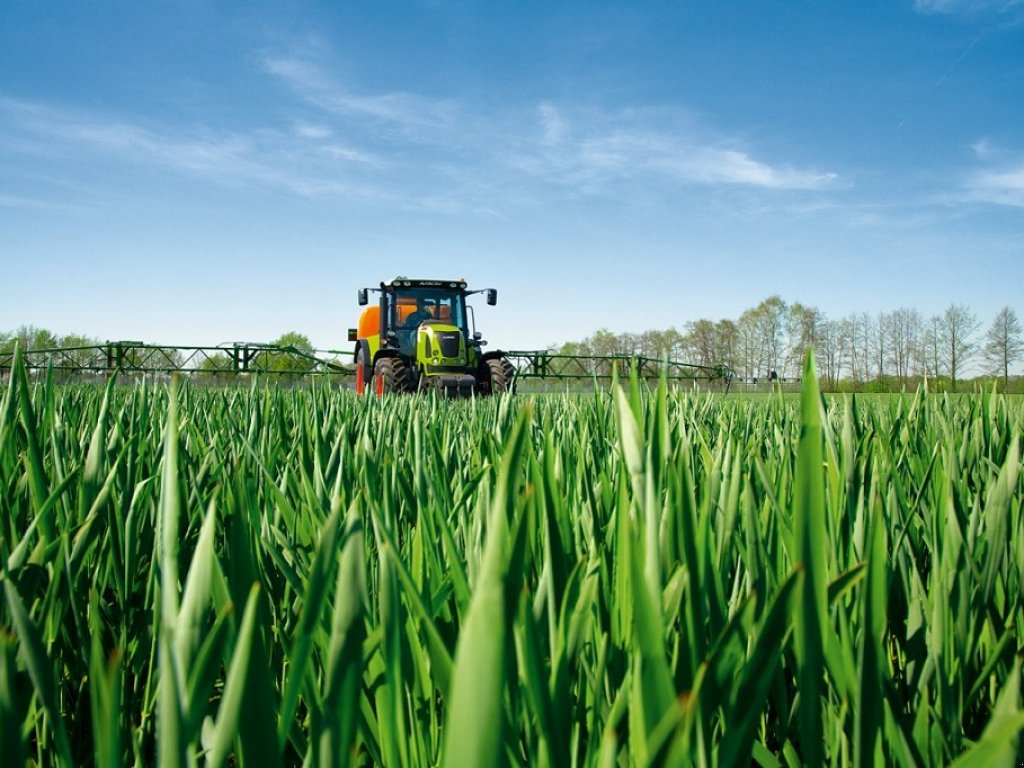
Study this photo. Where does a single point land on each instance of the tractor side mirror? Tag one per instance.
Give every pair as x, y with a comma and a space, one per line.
364, 299
477, 335
492, 296
352, 335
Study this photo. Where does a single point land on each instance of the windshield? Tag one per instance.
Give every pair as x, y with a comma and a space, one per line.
408, 307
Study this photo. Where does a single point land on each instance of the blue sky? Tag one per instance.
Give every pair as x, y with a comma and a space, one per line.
196, 172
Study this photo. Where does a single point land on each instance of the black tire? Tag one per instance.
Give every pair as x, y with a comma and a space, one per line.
497, 376
391, 375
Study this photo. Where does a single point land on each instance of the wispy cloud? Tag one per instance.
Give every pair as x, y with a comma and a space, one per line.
950, 7
1003, 186
306, 161
409, 113
312, 131
596, 150
591, 150
982, 148
413, 151
999, 179
22, 203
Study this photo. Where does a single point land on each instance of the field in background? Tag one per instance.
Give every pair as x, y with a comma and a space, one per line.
264, 576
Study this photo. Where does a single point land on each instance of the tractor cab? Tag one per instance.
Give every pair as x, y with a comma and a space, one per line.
406, 308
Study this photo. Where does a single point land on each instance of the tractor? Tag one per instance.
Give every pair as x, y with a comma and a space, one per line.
420, 336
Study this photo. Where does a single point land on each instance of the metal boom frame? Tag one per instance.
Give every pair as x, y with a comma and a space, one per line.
251, 357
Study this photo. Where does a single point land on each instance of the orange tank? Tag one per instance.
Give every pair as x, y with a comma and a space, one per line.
369, 322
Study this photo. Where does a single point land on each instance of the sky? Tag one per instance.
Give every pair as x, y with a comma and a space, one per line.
196, 172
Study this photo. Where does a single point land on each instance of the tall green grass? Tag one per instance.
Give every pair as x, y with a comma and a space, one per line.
636, 577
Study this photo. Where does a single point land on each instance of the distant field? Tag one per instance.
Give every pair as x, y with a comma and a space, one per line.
276, 577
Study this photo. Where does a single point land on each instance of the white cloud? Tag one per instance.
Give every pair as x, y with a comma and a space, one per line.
594, 151
554, 128
982, 148
284, 159
312, 131
949, 7
407, 112
22, 203
999, 179
590, 150
1004, 186
712, 165
413, 151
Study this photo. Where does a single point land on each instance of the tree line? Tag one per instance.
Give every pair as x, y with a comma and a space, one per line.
888, 350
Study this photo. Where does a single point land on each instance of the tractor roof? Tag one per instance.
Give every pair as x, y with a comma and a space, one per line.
413, 282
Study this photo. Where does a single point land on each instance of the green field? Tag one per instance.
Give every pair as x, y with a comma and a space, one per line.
269, 577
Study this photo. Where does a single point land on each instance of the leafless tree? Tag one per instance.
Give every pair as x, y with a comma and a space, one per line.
1004, 343
855, 331
957, 327
827, 352
763, 332
904, 328
932, 347
878, 335
803, 327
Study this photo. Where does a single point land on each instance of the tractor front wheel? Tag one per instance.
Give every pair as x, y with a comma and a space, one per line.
390, 375
496, 376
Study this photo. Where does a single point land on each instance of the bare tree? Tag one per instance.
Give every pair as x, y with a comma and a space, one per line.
957, 326
878, 336
1004, 343
752, 352
846, 336
904, 329
827, 351
855, 334
932, 347
768, 321
803, 327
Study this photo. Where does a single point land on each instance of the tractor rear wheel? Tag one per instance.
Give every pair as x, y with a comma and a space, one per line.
390, 375
497, 376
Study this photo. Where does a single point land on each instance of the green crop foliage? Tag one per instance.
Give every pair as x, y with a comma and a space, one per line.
270, 577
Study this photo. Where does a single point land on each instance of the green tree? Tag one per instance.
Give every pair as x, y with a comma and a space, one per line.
605, 343
80, 351
217, 366
30, 337
701, 336
294, 356
727, 344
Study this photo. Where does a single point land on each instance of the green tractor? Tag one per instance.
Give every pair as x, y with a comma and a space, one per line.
420, 336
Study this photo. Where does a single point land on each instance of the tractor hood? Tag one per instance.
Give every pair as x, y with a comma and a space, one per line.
441, 346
